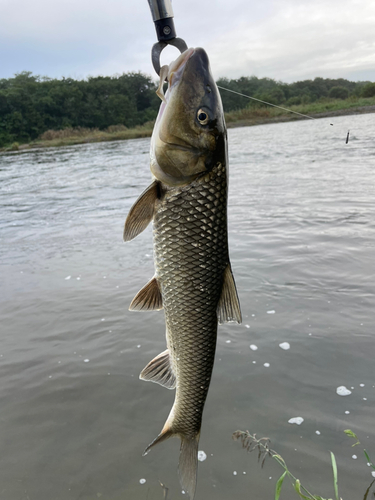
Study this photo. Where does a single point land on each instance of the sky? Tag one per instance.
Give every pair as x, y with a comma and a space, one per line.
287, 40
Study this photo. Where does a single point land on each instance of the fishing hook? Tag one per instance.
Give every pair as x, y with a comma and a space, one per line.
162, 15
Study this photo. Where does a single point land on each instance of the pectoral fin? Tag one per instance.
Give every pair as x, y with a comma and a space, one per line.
148, 298
141, 213
159, 370
228, 308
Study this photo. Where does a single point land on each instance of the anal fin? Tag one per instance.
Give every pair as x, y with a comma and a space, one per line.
141, 213
159, 370
148, 298
228, 308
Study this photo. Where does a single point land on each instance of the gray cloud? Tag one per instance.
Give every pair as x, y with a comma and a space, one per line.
287, 40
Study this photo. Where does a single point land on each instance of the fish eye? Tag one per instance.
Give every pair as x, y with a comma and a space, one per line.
202, 117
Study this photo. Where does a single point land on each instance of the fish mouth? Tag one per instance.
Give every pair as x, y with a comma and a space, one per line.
187, 147
182, 145
177, 67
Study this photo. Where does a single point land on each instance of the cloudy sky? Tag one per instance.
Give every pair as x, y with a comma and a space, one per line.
287, 40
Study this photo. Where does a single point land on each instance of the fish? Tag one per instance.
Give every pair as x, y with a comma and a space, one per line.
193, 281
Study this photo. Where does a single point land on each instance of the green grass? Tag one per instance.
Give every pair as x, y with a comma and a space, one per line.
251, 443
254, 115
81, 135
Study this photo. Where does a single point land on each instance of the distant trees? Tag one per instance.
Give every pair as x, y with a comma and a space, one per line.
368, 90
275, 92
30, 104
338, 92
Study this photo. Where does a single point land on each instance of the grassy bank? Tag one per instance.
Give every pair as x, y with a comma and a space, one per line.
243, 117
324, 108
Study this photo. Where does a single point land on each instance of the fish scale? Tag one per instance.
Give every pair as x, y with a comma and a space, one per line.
190, 267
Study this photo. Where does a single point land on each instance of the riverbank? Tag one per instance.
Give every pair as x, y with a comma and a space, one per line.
244, 117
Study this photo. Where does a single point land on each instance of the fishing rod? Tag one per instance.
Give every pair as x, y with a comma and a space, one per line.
162, 15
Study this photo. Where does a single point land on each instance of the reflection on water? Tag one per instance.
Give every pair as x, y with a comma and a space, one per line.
74, 416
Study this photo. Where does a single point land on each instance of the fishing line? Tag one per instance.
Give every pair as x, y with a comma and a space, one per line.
275, 106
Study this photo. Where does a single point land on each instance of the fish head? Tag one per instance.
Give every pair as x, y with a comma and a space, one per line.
189, 137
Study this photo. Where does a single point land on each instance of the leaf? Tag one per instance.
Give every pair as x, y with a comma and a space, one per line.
369, 459
351, 434
278, 486
297, 487
334, 468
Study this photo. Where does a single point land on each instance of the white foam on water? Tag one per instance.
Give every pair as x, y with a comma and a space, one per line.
78, 278
86, 360
253, 347
317, 432
361, 385
68, 277
354, 457
266, 365
343, 391
228, 341
103, 319
347, 412
296, 420
254, 362
201, 456
364, 399
142, 481
234, 473
284, 345
247, 326
138, 346
373, 473
271, 312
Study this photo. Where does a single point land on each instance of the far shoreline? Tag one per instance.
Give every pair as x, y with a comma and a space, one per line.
361, 110
243, 118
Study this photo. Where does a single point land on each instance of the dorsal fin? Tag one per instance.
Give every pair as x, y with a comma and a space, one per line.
228, 308
148, 298
159, 370
141, 213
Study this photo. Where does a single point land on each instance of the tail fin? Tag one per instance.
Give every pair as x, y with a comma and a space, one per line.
188, 464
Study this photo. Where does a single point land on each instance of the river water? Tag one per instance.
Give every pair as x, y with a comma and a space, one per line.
74, 416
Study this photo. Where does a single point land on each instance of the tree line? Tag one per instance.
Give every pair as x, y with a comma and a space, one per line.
289, 94
30, 104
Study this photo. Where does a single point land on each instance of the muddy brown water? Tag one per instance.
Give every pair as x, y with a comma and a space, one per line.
75, 418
